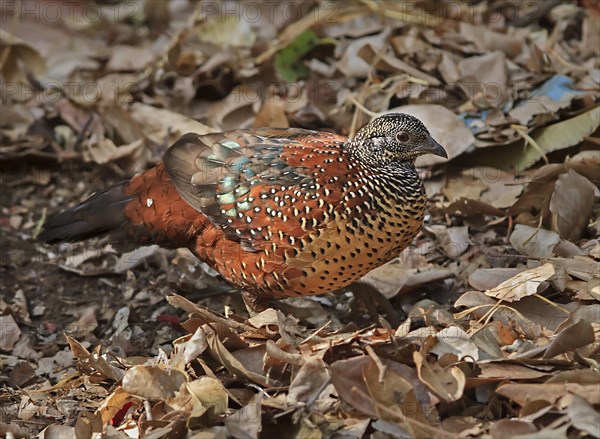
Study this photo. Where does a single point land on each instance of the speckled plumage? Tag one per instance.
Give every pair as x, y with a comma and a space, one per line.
279, 212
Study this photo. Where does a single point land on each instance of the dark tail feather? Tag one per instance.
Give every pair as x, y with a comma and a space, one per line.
99, 214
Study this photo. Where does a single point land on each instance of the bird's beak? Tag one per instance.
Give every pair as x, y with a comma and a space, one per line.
432, 147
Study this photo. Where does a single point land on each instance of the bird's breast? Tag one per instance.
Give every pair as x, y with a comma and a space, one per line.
357, 240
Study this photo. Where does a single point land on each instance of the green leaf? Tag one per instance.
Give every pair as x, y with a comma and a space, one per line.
288, 62
561, 135
553, 137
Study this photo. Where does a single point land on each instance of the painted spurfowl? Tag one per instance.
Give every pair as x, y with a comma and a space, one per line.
278, 212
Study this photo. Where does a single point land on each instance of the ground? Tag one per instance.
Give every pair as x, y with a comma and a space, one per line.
486, 326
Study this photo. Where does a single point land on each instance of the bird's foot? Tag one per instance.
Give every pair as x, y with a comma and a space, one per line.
254, 304
370, 297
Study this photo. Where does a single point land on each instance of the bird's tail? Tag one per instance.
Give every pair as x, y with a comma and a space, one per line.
143, 211
102, 213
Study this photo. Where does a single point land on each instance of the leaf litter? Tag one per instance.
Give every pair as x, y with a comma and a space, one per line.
487, 325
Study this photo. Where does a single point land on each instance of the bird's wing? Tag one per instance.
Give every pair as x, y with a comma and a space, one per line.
261, 185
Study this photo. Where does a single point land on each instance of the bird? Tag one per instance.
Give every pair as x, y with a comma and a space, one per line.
278, 212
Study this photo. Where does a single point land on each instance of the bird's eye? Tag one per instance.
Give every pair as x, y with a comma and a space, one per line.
402, 137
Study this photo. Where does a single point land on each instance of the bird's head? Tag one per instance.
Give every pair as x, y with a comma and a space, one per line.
395, 137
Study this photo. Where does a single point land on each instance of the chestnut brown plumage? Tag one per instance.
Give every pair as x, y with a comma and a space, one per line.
278, 212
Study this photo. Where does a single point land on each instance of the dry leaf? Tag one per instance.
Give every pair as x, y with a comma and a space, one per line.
394, 278
113, 404
571, 338
571, 205
448, 384
488, 278
55, 431
126, 58
272, 114
484, 78
358, 381
164, 126
10, 332
487, 40
550, 392
583, 416
226, 32
501, 371
359, 55
454, 241
523, 284
510, 428
13, 52
209, 397
459, 188
237, 110
153, 382
308, 383
455, 341
536, 242
222, 355
246, 423
581, 267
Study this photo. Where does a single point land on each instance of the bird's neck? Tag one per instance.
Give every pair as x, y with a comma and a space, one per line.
400, 179
394, 181
378, 161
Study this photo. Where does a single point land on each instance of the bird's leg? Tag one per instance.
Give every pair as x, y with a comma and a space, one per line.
254, 304
371, 297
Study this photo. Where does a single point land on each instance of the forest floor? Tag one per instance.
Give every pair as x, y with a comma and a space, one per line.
486, 326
